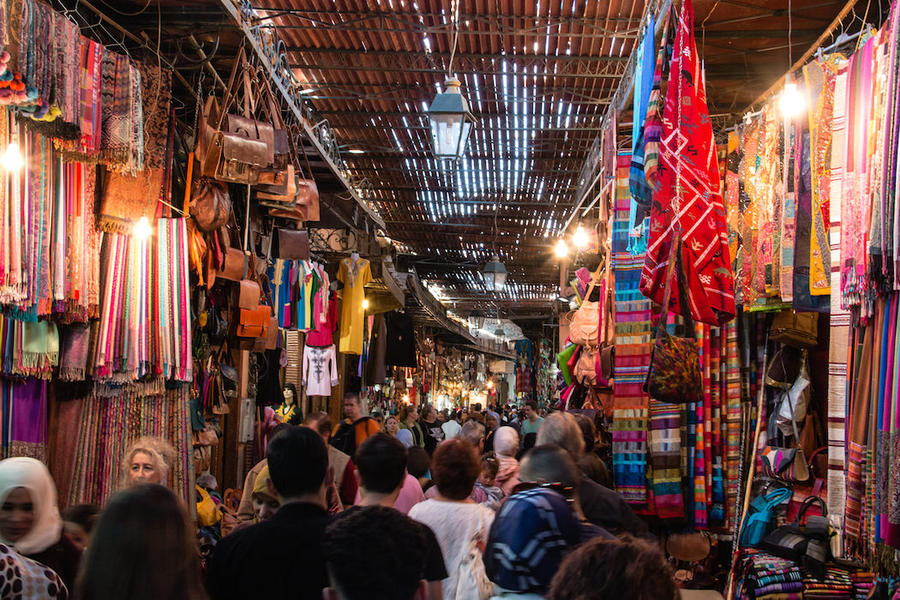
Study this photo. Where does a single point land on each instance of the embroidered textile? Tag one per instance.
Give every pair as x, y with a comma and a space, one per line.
689, 194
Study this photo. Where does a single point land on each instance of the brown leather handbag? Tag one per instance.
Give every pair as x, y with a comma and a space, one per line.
210, 204
235, 268
238, 147
293, 244
248, 294
254, 323
795, 329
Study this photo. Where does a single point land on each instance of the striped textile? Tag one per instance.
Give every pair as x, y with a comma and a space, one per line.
665, 458
732, 422
632, 319
838, 405
109, 424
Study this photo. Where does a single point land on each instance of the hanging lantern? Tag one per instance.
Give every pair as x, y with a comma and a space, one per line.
451, 122
476, 319
499, 332
494, 274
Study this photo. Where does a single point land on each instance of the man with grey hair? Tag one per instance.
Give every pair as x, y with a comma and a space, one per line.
473, 432
601, 506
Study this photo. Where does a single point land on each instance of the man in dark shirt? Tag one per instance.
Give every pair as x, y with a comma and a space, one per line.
375, 553
381, 468
600, 505
283, 556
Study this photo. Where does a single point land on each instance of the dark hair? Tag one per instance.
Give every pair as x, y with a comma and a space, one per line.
454, 468
354, 395
298, 460
549, 464
588, 431
375, 553
417, 461
477, 406
381, 461
490, 464
532, 404
529, 440
142, 548
405, 410
82, 514
320, 421
629, 569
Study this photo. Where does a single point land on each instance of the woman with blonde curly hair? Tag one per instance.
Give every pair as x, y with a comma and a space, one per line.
147, 460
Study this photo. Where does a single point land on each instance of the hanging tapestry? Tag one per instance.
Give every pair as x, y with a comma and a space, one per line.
689, 195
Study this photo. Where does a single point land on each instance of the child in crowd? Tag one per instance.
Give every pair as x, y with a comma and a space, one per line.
485, 483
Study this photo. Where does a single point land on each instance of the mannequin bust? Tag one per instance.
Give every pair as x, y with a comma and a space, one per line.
354, 256
289, 412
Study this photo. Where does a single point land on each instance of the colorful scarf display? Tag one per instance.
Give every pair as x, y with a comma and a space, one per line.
632, 319
109, 424
689, 197
48, 244
144, 330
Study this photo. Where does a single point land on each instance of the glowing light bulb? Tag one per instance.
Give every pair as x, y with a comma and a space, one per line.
365, 303
142, 229
561, 250
12, 158
490, 384
792, 102
580, 238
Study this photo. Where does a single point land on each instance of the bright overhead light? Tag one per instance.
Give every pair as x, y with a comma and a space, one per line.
792, 102
142, 229
561, 250
356, 151
580, 238
12, 158
365, 303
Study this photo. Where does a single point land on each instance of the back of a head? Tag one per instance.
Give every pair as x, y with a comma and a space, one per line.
298, 460
454, 468
417, 461
381, 461
561, 429
603, 569
506, 441
472, 432
319, 421
588, 431
549, 464
375, 553
141, 548
530, 536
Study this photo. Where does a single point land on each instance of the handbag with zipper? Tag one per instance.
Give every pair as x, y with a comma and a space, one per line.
674, 375
795, 329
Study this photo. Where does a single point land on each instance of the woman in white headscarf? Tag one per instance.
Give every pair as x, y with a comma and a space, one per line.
29, 517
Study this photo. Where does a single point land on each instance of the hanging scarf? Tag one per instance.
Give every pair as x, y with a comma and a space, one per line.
640, 190
857, 203
632, 322
733, 210
820, 79
748, 198
689, 194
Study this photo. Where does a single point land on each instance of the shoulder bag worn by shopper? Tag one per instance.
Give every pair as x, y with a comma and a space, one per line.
674, 375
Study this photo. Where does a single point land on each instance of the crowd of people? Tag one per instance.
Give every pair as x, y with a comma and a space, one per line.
426, 505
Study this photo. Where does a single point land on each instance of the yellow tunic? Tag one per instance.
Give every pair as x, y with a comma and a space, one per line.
354, 275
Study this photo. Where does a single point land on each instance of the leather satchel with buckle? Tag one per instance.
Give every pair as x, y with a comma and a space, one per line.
244, 147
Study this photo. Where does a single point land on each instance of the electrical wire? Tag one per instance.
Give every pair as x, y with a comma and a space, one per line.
127, 14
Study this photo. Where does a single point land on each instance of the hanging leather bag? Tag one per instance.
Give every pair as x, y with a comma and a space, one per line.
248, 294
293, 244
585, 327
586, 367
235, 267
210, 204
674, 375
239, 146
795, 329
